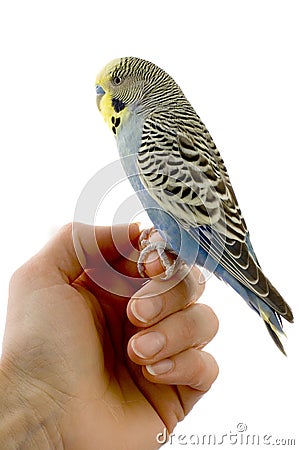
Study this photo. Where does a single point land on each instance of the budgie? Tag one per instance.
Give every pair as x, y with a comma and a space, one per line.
180, 178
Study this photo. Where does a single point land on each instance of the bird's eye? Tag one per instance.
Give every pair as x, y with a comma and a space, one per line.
116, 80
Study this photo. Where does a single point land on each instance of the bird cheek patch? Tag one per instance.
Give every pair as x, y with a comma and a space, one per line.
118, 105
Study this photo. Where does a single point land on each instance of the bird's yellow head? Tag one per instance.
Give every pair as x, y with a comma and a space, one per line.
128, 84
108, 99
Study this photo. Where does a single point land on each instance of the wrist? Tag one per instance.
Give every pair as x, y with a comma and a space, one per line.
28, 419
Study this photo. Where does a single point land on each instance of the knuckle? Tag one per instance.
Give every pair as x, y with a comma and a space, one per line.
24, 273
192, 286
199, 280
33, 268
211, 316
204, 370
15, 278
66, 230
215, 372
213, 367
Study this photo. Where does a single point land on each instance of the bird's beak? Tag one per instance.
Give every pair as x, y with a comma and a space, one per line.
100, 93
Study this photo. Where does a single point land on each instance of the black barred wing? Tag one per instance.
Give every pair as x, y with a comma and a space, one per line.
184, 172
187, 177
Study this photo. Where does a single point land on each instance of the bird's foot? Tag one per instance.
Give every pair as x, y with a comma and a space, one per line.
144, 238
147, 246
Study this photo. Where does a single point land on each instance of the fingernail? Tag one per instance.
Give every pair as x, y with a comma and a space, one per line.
160, 367
148, 344
146, 309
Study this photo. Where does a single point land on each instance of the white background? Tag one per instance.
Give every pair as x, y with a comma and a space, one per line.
237, 62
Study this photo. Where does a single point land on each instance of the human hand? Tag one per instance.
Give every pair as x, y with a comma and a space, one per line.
77, 360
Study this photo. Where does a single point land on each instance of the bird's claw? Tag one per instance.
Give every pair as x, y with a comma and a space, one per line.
147, 247
144, 238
